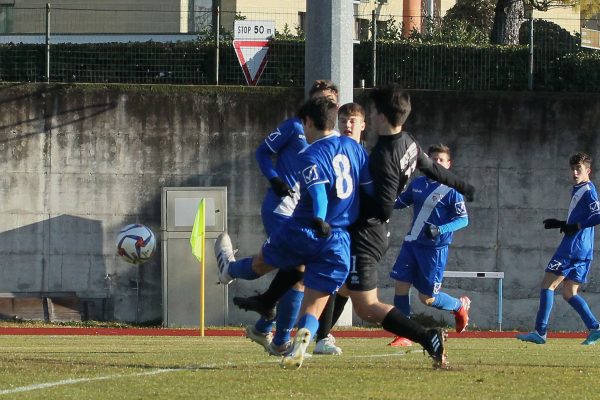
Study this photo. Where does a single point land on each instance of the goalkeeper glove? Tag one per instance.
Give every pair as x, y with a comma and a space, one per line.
569, 229
553, 223
322, 228
432, 231
280, 188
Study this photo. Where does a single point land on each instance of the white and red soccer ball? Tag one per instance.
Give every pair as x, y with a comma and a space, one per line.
136, 243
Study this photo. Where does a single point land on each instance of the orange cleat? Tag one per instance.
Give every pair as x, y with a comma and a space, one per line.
400, 341
461, 317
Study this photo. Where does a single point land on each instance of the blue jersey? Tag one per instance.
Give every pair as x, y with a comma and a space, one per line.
340, 164
435, 204
584, 204
287, 141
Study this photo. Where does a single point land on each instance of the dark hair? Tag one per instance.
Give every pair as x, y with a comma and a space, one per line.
351, 109
439, 148
581, 158
322, 85
321, 110
393, 102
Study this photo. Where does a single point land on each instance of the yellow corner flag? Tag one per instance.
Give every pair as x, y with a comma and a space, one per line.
198, 232
197, 240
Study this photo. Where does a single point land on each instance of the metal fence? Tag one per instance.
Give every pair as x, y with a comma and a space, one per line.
181, 47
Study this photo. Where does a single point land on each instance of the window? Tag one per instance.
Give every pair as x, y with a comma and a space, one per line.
302, 21
361, 29
6, 18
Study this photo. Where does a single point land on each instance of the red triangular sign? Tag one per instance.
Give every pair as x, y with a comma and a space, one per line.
252, 55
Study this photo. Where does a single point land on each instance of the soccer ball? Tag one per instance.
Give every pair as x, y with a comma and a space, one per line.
136, 243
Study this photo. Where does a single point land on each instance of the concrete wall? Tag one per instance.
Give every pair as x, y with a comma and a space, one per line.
79, 162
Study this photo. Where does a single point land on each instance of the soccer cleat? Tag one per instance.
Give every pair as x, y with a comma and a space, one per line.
224, 255
435, 346
461, 317
296, 357
255, 303
400, 341
264, 339
326, 346
592, 338
283, 350
532, 337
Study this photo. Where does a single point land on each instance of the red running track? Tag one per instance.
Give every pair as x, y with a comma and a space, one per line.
239, 332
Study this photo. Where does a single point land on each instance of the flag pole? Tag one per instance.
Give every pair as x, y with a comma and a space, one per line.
202, 268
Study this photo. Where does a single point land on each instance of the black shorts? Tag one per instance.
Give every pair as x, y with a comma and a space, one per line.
367, 245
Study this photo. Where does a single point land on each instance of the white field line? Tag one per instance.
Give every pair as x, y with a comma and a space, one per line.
81, 380
163, 371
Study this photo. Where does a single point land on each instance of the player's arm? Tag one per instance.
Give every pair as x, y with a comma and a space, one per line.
319, 199
592, 220
460, 218
440, 174
405, 199
387, 184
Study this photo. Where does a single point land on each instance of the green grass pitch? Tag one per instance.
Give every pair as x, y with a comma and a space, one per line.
134, 367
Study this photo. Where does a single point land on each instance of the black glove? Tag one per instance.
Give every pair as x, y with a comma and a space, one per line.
322, 228
553, 223
280, 188
432, 231
569, 229
469, 193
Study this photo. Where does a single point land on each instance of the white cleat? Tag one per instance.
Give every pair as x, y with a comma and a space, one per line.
224, 255
326, 346
296, 357
263, 339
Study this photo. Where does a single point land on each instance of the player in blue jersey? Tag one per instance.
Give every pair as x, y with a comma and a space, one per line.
330, 171
277, 207
439, 211
571, 262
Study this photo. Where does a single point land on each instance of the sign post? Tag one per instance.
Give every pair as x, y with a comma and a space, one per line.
251, 44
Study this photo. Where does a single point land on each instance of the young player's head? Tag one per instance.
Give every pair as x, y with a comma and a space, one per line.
440, 153
581, 167
324, 87
351, 120
389, 102
318, 116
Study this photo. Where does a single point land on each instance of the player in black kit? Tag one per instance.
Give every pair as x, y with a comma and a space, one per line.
392, 162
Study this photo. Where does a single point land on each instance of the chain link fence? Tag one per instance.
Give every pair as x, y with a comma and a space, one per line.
181, 47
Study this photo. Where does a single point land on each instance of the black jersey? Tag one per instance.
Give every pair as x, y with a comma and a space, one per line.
392, 162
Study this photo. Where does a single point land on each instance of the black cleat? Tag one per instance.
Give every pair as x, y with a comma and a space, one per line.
255, 303
436, 347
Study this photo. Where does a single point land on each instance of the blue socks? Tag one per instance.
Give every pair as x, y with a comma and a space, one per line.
444, 301
242, 269
402, 303
582, 308
543, 314
287, 313
309, 322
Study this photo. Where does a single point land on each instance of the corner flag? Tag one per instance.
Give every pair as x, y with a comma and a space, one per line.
197, 240
198, 232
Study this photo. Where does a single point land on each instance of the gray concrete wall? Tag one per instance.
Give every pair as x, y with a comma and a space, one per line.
79, 162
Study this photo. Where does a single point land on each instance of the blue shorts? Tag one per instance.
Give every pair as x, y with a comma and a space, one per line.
326, 260
573, 270
276, 211
422, 266
272, 221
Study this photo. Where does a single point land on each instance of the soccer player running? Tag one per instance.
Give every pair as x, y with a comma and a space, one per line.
331, 169
351, 123
277, 207
439, 211
571, 262
392, 162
